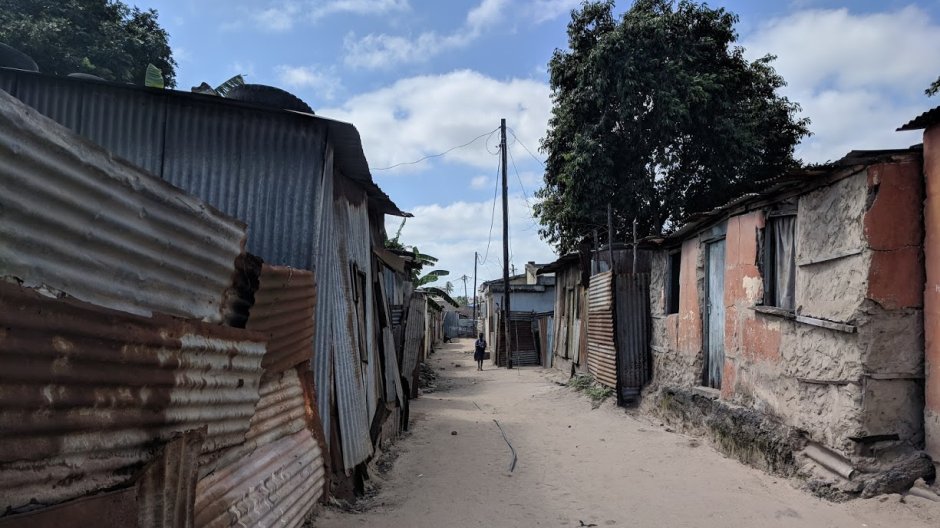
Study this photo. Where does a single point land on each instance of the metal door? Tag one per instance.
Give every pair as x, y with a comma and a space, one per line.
632, 319
715, 314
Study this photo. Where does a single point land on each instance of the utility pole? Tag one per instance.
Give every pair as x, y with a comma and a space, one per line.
476, 258
610, 236
464, 279
506, 311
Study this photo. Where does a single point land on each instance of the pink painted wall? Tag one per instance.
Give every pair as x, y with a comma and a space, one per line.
932, 290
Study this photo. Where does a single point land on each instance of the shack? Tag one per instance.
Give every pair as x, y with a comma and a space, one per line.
314, 218
530, 294
788, 324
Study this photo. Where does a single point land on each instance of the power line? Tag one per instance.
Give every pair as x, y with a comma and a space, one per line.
436, 155
493, 213
513, 132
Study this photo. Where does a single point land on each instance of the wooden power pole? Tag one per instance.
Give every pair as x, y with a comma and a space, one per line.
476, 259
506, 307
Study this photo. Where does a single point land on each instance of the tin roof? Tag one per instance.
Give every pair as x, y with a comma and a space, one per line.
88, 392
927, 119
790, 184
79, 221
260, 164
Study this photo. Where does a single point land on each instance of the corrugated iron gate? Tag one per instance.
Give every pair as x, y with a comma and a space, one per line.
602, 345
633, 333
619, 331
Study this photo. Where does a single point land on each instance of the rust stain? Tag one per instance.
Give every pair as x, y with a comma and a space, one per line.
284, 313
123, 384
894, 220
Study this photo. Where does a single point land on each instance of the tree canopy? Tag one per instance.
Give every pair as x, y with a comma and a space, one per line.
106, 38
659, 114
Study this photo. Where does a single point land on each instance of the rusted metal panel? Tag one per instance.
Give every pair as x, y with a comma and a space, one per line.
414, 334
76, 220
601, 338
284, 313
633, 333
278, 484
328, 295
115, 508
166, 490
88, 392
280, 412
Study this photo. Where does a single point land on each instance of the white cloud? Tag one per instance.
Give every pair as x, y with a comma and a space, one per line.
383, 51
358, 7
283, 16
453, 232
481, 182
424, 115
181, 54
278, 18
857, 76
322, 81
545, 10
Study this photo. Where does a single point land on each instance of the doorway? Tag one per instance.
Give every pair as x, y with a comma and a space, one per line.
715, 313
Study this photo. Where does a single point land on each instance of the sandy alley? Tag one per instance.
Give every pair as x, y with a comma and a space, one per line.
578, 466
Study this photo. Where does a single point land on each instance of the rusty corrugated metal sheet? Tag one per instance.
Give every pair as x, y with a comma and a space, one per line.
166, 490
601, 332
414, 335
633, 333
87, 392
280, 412
78, 221
278, 484
284, 313
113, 508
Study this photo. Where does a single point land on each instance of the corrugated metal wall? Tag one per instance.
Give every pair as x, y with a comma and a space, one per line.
414, 335
273, 486
78, 221
284, 313
633, 333
166, 489
601, 338
87, 392
224, 493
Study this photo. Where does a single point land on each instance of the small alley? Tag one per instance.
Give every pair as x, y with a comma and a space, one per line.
576, 466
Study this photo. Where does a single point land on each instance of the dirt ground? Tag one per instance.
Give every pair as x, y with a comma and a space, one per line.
577, 466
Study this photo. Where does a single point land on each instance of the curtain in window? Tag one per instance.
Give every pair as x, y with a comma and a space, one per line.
784, 233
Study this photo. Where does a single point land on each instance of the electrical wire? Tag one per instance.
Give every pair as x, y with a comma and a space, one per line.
485, 134
493, 213
513, 132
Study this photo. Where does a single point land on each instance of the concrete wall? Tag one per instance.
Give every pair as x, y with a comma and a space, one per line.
932, 290
859, 265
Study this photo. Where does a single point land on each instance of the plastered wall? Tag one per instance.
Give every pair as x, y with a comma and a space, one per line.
860, 265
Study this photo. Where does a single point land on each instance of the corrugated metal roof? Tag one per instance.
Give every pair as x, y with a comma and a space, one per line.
87, 392
78, 221
928, 118
276, 485
257, 163
787, 185
166, 489
284, 312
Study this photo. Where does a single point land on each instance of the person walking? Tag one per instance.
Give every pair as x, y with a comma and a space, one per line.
479, 349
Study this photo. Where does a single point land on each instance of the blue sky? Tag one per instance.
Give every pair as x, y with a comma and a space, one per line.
419, 77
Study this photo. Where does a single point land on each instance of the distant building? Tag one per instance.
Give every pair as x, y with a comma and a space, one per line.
532, 296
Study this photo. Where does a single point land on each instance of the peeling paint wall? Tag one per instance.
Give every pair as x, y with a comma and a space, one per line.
849, 362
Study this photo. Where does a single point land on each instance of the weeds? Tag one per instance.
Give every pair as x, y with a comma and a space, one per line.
586, 384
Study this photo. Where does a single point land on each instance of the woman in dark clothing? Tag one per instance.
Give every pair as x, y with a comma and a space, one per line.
479, 349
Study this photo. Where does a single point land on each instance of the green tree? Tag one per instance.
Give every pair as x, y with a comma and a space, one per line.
106, 38
933, 88
659, 114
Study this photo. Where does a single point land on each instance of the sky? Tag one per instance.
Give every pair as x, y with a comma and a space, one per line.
419, 77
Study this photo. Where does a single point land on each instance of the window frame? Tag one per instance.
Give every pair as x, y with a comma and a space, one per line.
769, 257
673, 281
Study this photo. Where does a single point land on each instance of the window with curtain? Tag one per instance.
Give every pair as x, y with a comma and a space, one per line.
780, 262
